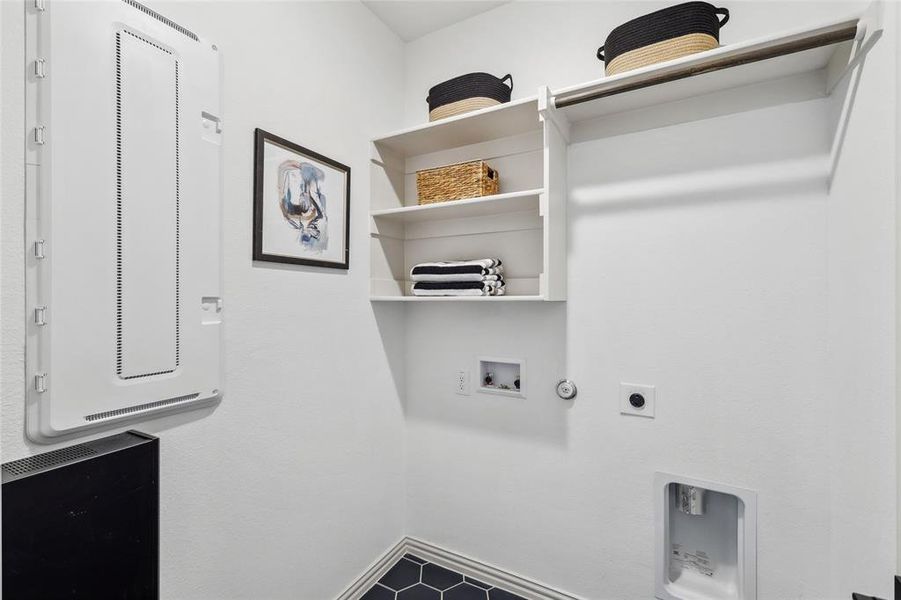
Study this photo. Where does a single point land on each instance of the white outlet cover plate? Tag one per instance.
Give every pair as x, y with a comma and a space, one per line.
650, 399
461, 383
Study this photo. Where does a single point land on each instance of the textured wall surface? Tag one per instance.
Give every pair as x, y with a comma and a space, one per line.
706, 257
294, 483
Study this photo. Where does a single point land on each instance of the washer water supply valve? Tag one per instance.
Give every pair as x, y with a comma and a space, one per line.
691, 498
566, 389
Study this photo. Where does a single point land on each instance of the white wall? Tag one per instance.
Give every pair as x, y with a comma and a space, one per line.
862, 348
294, 484
761, 307
706, 257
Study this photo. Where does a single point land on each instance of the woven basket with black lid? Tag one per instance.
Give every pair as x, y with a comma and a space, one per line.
663, 35
467, 93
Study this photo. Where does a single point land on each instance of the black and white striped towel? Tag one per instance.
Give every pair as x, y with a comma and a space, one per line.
486, 275
459, 288
472, 270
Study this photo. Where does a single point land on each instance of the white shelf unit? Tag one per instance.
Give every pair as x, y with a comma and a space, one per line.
523, 225
526, 141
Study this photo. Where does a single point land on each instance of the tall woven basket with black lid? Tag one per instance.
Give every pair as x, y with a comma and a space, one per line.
467, 93
663, 35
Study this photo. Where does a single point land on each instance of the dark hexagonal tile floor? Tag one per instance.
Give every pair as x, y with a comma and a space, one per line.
466, 591
379, 592
419, 591
413, 578
439, 577
402, 575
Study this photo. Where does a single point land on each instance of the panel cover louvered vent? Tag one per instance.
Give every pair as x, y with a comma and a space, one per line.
161, 18
88, 527
138, 408
23, 466
147, 208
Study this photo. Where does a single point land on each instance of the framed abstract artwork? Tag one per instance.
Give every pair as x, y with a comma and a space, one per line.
301, 205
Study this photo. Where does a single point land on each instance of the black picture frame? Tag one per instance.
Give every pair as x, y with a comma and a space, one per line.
261, 137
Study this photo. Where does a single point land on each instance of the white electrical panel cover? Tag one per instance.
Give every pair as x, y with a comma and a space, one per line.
123, 167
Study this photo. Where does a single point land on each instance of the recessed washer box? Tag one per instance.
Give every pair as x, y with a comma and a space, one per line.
502, 376
706, 540
123, 179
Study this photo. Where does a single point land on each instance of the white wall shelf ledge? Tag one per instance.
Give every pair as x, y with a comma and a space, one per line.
457, 298
486, 124
459, 209
825, 47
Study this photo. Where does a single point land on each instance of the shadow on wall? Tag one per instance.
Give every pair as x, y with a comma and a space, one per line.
756, 155
747, 183
442, 339
154, 426
748, 162
173, 421
632, 116
389, 318
843, 107
262, 264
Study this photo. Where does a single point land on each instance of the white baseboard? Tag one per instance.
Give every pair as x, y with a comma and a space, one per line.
374, 572
527, 588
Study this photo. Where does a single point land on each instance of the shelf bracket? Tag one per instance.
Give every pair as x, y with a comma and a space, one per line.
548, 113
869, 31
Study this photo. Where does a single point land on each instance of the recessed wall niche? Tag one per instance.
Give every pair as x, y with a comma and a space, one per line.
502, 376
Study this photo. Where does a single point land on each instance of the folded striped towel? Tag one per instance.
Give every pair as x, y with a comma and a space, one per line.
499, 292
459, 288
485, 266
451, 293
492, 274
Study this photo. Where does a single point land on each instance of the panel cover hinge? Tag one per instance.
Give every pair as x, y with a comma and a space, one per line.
40, 315
40, 68
39, 135
39, 249
40, 383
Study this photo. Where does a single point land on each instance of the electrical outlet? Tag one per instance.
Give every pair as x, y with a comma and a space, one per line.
637, 399
461, 383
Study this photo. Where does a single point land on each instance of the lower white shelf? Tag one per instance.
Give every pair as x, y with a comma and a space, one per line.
457, 299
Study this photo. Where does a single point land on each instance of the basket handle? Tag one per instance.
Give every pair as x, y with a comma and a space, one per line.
724, 12
601, 53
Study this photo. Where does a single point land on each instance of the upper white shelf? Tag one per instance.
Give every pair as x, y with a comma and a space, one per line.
746, 63
461, 209
494, 122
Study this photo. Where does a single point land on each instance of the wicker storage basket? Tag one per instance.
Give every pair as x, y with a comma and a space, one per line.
663, 35
456, 182
467, 93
